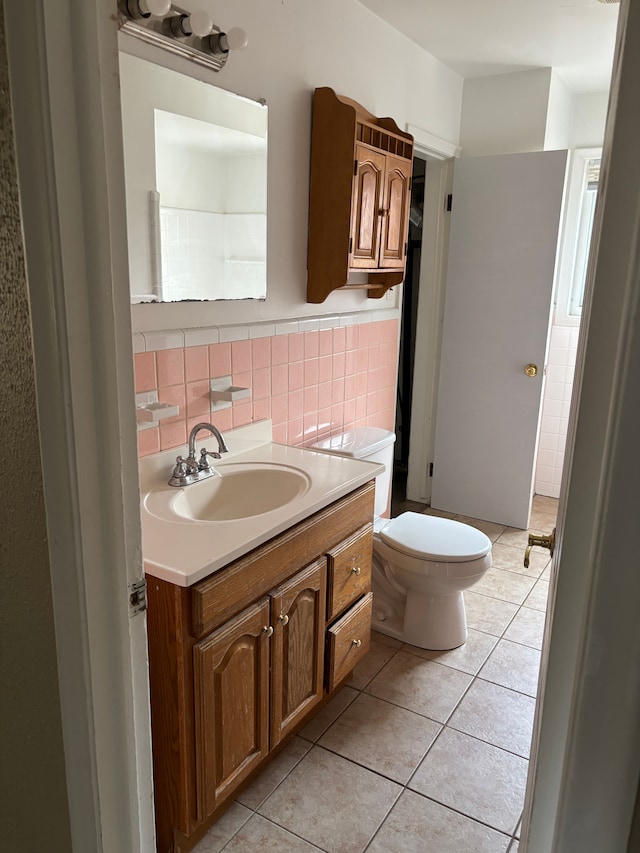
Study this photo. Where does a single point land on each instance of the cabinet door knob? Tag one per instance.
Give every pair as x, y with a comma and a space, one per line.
356, 643
268, 630
283, 620
356, 570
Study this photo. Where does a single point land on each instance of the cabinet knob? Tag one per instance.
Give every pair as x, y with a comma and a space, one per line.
356, 643
356, 570
268, 630
283, 620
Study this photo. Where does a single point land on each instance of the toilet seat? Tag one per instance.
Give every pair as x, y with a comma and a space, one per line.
438, 540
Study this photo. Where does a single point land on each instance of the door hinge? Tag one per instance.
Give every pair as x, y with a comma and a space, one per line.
355, 167
406, 246
350, 245
431, 469
449, 203
137, 596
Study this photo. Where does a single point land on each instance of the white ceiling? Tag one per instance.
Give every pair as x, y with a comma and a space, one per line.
481, 37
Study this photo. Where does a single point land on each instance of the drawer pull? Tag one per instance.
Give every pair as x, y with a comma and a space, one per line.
356, 570
268, 630
356, 643
283, 620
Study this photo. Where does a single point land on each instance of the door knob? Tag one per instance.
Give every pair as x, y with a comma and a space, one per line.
531, 370
542, 542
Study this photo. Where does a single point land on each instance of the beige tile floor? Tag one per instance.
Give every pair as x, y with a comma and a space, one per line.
422, 751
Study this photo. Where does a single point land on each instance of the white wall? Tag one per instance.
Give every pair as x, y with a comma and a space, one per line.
505, 113
294, 48
589, 116
559, 114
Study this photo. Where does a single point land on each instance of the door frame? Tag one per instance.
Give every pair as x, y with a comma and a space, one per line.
440, 157
63, 66
585, 759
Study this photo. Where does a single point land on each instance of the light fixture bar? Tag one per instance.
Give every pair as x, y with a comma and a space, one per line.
174, 31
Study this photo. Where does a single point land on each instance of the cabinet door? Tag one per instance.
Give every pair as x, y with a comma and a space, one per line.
297, 613
231, 684
395, 212
365, 216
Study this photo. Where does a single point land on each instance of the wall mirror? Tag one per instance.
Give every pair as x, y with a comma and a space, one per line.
196, 187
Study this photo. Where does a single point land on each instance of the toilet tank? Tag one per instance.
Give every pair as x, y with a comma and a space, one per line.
371, 444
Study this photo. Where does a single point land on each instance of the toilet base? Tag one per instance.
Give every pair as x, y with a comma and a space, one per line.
435, 622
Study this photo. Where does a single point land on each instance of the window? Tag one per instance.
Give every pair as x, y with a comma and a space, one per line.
580, 204
591, 175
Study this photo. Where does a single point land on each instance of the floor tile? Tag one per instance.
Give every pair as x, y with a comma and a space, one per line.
438, 513
371, 664
475, 778
420, 685
514, 847
490, 528
545, 503
496, 715
514, 666
537, 598
224, 829
516, 538
260, 834
269, 779
468, 657
379, 637
323, 719
527, 628
418, 825
511, 558
331, 802
488, 614
542, 519
507, 586
383, 737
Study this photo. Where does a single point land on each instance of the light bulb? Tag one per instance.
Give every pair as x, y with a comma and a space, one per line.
157, 8
200, 23
234, 39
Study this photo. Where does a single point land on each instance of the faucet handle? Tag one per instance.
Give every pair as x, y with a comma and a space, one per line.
180, 473
203, 464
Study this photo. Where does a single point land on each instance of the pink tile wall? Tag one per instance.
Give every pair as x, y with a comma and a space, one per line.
311, 384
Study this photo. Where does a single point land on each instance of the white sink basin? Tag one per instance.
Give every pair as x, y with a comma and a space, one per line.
239, 490
262, 489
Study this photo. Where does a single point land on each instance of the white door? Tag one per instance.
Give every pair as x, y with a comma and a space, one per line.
502, 253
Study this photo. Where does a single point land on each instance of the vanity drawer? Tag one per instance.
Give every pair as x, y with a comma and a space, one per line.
349, 640
349, 566
226, 592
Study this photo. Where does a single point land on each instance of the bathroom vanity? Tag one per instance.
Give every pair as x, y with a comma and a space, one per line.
243, 651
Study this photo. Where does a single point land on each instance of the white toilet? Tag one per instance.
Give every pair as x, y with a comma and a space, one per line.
421, 563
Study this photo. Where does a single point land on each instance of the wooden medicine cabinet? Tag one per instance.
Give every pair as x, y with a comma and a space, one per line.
359, 198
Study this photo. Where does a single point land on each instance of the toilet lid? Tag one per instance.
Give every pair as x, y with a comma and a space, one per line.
437, 539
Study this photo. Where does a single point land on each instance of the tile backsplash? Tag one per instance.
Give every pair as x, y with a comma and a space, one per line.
311, 382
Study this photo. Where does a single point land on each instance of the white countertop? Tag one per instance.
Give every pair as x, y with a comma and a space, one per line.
184, 551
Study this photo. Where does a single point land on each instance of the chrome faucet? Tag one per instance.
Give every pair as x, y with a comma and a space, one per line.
190, 470
222, 447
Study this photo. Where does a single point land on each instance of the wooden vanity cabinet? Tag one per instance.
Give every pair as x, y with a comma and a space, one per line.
243, 705
359, 199
241, 660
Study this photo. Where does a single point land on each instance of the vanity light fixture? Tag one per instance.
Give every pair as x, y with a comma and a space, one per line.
189, 34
